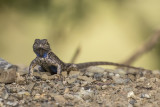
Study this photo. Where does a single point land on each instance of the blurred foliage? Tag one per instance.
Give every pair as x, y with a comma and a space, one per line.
30, 6
72, 21
61, 13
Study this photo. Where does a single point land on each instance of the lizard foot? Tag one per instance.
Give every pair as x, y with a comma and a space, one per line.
71, 67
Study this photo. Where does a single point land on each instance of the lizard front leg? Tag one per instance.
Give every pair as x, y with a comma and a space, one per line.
32, 65
59, 70
57, 65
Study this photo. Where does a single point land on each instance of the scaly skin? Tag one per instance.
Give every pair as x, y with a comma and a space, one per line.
49, 62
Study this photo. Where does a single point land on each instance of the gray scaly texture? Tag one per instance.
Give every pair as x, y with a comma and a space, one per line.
49, 62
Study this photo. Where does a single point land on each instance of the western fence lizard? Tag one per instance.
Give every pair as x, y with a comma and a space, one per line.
49, 62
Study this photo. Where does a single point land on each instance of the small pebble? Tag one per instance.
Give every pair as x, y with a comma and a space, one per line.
145, 96
104, 87
68, 96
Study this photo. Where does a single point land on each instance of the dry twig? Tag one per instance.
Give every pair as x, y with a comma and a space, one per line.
76, 54
146, 47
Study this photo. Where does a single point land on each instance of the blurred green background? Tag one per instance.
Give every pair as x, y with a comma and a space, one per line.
106, 30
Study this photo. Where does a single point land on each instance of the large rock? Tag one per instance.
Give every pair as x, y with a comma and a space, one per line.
4, 65
8, 76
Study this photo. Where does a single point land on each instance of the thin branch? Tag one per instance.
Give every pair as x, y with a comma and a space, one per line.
76, 54
146, 47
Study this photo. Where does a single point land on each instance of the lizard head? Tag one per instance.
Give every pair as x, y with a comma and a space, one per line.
41, 47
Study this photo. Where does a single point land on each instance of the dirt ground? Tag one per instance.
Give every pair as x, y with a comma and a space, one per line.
94, 86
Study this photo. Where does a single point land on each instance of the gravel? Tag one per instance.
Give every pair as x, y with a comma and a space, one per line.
93, 86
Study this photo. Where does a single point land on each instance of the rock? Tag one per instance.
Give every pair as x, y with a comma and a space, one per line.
59, 98
69, 104
131, 94
98, 76
15, 103
1, 99
142, 79
64, 74
86, 94
13, 90
130, 105
118, 80
86, 97
147, 74
89, 74
95, 69
8, 76
4, 65
105, 74
99, 99
37, 96
84, 83
37, 74
22, 70
30, 86
75, 88
20, 79
66, 90
121, 72
98, 87
74, 74
45, 86
145, 96
77, 99
24, 93
5, 94
103, 79
117, 75
104, 87
60, 86
84, 78
132, 102
83, 90
1, 104
155, 80
40, 97
52, 77
65, 82
44, 77
52, 95
131, 77
111, 74
156, 72
109, 71
68, 96
132, 71
71, 80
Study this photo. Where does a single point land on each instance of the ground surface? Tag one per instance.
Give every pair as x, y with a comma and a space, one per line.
90, 87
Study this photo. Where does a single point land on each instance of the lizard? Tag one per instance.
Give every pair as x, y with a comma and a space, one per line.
50, 62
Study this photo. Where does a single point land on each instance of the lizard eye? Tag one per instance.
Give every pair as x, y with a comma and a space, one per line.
45, 42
